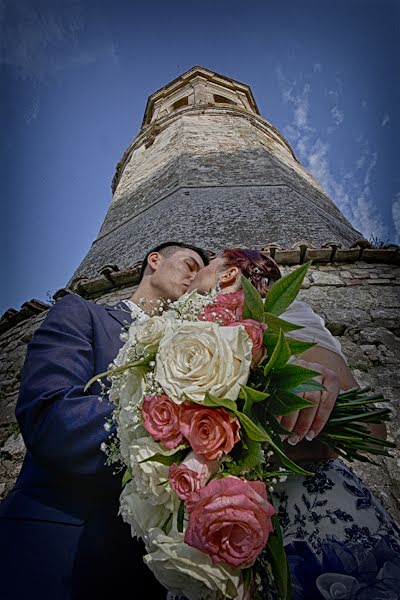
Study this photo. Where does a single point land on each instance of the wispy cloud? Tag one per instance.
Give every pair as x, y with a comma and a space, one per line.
349, 188
337, 115
385, 120
396, 217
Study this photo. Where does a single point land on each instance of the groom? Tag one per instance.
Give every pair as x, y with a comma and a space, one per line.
61, 536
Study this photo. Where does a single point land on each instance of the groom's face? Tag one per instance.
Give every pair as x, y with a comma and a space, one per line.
174, 274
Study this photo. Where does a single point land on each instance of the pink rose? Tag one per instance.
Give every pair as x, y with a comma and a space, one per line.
255, 331
161, 420
211, 432
232, 301
191, 475
230, 520
218, 314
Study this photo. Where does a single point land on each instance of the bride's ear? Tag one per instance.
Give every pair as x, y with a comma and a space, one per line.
228, 277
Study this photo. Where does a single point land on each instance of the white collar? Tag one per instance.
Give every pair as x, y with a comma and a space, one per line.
137, 313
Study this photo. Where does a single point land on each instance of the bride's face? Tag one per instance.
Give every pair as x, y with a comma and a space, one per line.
206, 279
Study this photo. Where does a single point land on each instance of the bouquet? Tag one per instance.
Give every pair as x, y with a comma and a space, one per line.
197, 388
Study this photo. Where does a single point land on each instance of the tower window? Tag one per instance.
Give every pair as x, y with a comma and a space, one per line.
222, 100
179, 103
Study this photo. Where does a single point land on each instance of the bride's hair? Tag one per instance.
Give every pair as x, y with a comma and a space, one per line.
261, 270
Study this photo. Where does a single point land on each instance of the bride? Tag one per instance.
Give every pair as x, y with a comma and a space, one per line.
339, 540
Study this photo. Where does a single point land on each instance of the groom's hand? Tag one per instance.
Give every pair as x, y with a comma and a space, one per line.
307, 423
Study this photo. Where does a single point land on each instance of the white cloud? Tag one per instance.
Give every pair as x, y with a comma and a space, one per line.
317, 67
396, 217
337, 115
385, 120
349, 188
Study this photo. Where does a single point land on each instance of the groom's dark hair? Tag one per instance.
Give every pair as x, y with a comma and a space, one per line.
169, 248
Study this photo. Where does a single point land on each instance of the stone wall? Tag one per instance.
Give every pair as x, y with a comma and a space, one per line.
360, 304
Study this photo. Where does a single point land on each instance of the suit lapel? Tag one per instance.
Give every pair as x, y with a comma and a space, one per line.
120, 312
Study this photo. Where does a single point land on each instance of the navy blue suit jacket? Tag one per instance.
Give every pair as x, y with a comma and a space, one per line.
60, 530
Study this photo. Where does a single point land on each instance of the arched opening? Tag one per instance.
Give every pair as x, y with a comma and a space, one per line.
181, 102
222, 100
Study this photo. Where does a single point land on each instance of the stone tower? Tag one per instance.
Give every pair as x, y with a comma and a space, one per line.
207, 167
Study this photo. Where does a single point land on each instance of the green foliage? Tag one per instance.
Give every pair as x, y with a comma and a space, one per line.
284, 291
276, 324
276, 556
249, 456
283, 403
127, 476
253, 305
169, 457
140, 366
181, 514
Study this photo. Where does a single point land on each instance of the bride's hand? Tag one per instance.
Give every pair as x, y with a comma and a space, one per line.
307, 423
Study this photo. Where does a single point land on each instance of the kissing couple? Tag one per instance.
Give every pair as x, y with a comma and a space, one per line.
62, 534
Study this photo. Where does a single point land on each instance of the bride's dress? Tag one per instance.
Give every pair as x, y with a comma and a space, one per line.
340, 542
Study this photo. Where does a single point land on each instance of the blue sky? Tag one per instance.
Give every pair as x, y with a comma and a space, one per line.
75, 77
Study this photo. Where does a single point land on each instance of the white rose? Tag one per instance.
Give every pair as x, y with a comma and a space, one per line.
199, 357
151, 477
149, 333
139, 514
127, 388
129, 429
186, 571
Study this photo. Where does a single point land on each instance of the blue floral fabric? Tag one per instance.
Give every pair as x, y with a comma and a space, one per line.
340, 542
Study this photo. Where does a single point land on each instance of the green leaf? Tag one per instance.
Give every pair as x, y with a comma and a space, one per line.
290, 376
250, 457
127, 476
214, 402
137, 364
296, 346
280, 351
276, 556
181, 514
284, 354
168, 458
283, 403
251, 396
310, 386
253, 305
284, 291
247, 577
254, 432
275, 324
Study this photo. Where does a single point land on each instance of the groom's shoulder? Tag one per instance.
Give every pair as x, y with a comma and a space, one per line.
72, 304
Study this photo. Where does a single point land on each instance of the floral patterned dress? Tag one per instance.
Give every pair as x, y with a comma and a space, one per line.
340, 542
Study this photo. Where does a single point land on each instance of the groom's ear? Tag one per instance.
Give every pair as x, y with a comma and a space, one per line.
229, 276
153, 260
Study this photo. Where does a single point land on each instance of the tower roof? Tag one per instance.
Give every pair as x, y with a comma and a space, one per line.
203, 86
